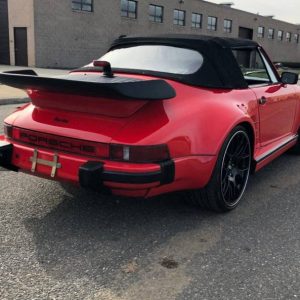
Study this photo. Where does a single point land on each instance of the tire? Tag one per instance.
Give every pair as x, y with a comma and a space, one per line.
230, 176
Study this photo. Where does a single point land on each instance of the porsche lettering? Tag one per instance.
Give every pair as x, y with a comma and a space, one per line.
44, 141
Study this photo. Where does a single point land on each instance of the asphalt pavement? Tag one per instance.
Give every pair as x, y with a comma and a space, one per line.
75, 244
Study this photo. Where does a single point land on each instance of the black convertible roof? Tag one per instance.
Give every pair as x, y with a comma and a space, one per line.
220, 68
188, 40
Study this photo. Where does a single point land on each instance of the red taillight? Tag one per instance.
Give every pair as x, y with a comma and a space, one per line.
139, 154
107, 71
8, 130
101, 63
125, 153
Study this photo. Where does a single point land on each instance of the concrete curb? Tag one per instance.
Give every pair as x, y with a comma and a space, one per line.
14, 101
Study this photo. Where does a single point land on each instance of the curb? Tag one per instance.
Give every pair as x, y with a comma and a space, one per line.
14, 101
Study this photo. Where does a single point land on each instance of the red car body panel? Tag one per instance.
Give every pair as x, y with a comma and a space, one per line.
194, 125
281, 106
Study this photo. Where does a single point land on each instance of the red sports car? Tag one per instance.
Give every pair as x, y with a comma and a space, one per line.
155, 115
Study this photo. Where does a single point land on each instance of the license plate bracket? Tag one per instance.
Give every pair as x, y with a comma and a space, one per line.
54, 164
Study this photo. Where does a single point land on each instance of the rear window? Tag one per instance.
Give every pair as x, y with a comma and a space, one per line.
157, 58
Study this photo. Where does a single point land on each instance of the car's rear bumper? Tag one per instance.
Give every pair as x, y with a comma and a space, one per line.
93, 172
120, 178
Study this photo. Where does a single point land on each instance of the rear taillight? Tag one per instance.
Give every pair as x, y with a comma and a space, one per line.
125, 153
8, 131
139, 154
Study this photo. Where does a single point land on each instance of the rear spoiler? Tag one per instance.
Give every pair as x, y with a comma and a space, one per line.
94, 85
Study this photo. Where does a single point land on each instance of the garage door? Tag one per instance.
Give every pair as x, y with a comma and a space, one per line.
4, 38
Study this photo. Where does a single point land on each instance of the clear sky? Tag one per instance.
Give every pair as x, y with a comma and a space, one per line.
285, 10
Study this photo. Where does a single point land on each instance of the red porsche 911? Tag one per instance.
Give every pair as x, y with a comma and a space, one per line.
155, 115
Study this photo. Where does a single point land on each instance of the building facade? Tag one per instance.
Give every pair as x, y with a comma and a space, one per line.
71, 33
4, 37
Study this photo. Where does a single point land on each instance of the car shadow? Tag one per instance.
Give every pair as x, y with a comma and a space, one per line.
88, 232
88, 235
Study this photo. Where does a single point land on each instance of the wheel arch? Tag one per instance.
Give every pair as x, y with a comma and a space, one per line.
251, 133
249, 129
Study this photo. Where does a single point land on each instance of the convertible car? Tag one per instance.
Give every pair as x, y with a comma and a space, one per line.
155, 115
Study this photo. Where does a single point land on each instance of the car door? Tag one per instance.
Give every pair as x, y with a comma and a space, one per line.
276, 101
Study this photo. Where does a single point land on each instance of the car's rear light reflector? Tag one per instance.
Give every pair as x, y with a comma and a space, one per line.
8, 129
59, 143
139, 154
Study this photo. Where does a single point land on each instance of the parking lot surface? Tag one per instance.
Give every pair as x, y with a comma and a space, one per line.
58, 243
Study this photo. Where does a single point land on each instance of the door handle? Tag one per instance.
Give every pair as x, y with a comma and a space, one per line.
262, 100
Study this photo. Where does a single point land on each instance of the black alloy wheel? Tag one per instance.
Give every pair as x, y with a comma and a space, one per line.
230, 177
235, 168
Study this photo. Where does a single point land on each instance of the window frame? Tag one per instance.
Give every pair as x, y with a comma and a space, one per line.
156, 18
288, 36
280, 37
227, 29
261, 33
213, 26
177, 21
127, 12
273, 76
82, 4
271, 33
269, 67
194, 23
296, 38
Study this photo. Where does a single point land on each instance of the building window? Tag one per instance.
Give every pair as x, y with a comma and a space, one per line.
296, 38
212, 23
227, 25
280, 35
271, 34
179, 17
82, 5
156, 13
196, 20
288, 37
129, 9
261, 32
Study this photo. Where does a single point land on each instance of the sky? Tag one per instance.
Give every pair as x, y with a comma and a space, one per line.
285, 10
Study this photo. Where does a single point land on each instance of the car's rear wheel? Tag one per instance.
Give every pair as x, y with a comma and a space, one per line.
230, 176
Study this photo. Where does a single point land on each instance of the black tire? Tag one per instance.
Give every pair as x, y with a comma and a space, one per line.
230, 176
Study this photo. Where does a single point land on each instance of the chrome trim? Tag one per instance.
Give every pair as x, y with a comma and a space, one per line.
277, 148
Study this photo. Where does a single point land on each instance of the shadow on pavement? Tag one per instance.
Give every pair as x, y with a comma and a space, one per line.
92, 235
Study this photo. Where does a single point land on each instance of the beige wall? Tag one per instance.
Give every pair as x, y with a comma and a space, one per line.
21, 14
65, 38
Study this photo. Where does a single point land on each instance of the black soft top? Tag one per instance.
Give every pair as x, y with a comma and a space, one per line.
220, 68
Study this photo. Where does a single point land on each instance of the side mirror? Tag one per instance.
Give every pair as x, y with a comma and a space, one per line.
278, 66
289, 78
